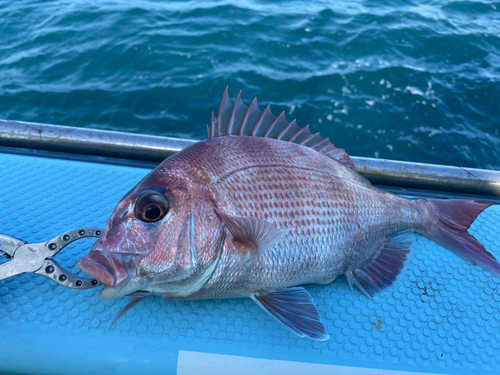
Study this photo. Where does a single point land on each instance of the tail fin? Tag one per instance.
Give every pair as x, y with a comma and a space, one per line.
449, 229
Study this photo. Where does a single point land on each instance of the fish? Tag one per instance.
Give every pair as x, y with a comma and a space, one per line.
260, 209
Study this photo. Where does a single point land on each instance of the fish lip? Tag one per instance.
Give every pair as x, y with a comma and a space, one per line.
98, 265
109, 292
113, 270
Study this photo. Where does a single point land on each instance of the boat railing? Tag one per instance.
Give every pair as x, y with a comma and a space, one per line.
112, 144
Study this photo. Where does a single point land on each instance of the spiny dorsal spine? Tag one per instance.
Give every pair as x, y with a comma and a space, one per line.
238, 119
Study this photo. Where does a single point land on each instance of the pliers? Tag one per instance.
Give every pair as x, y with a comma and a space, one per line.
35, 257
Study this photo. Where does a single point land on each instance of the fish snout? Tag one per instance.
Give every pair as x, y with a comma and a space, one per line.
105, 267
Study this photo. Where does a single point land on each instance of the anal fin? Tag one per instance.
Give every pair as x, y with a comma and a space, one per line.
295, 309
385, 267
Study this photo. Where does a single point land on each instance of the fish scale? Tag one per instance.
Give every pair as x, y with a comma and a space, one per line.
261, 208
320, 217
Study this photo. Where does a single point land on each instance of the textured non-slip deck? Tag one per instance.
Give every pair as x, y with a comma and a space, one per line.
441, 316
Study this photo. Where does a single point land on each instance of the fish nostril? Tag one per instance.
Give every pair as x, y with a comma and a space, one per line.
124, 213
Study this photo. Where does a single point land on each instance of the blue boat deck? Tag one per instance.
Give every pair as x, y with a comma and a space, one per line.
441, 316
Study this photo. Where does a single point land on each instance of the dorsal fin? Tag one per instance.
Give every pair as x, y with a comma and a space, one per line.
238, 119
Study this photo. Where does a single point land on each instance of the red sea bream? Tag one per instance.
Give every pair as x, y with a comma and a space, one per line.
260, 208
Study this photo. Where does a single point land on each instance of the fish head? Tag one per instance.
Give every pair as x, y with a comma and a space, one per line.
163, 238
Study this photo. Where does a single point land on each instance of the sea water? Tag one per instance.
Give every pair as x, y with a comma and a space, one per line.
407, 80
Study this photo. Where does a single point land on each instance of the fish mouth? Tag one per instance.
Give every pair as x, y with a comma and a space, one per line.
98, 265
106, 267
111, 270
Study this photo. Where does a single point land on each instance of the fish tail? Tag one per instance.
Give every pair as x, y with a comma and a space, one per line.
448, 227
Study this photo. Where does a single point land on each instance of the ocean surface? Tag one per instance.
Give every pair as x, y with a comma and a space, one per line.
407, 80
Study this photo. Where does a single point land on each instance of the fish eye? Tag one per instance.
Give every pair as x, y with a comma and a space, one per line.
151, 206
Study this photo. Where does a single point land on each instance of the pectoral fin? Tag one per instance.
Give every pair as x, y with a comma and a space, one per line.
295, 309
258, 235
385, 267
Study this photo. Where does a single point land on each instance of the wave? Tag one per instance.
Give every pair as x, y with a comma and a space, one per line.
399, 80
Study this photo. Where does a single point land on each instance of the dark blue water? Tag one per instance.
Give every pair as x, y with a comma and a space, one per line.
407, 80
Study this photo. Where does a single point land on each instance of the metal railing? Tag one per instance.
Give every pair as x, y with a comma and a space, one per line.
150, 148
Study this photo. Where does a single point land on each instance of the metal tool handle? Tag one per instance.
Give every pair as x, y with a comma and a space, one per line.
55, 245
35, 257
9, 244
60, 275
